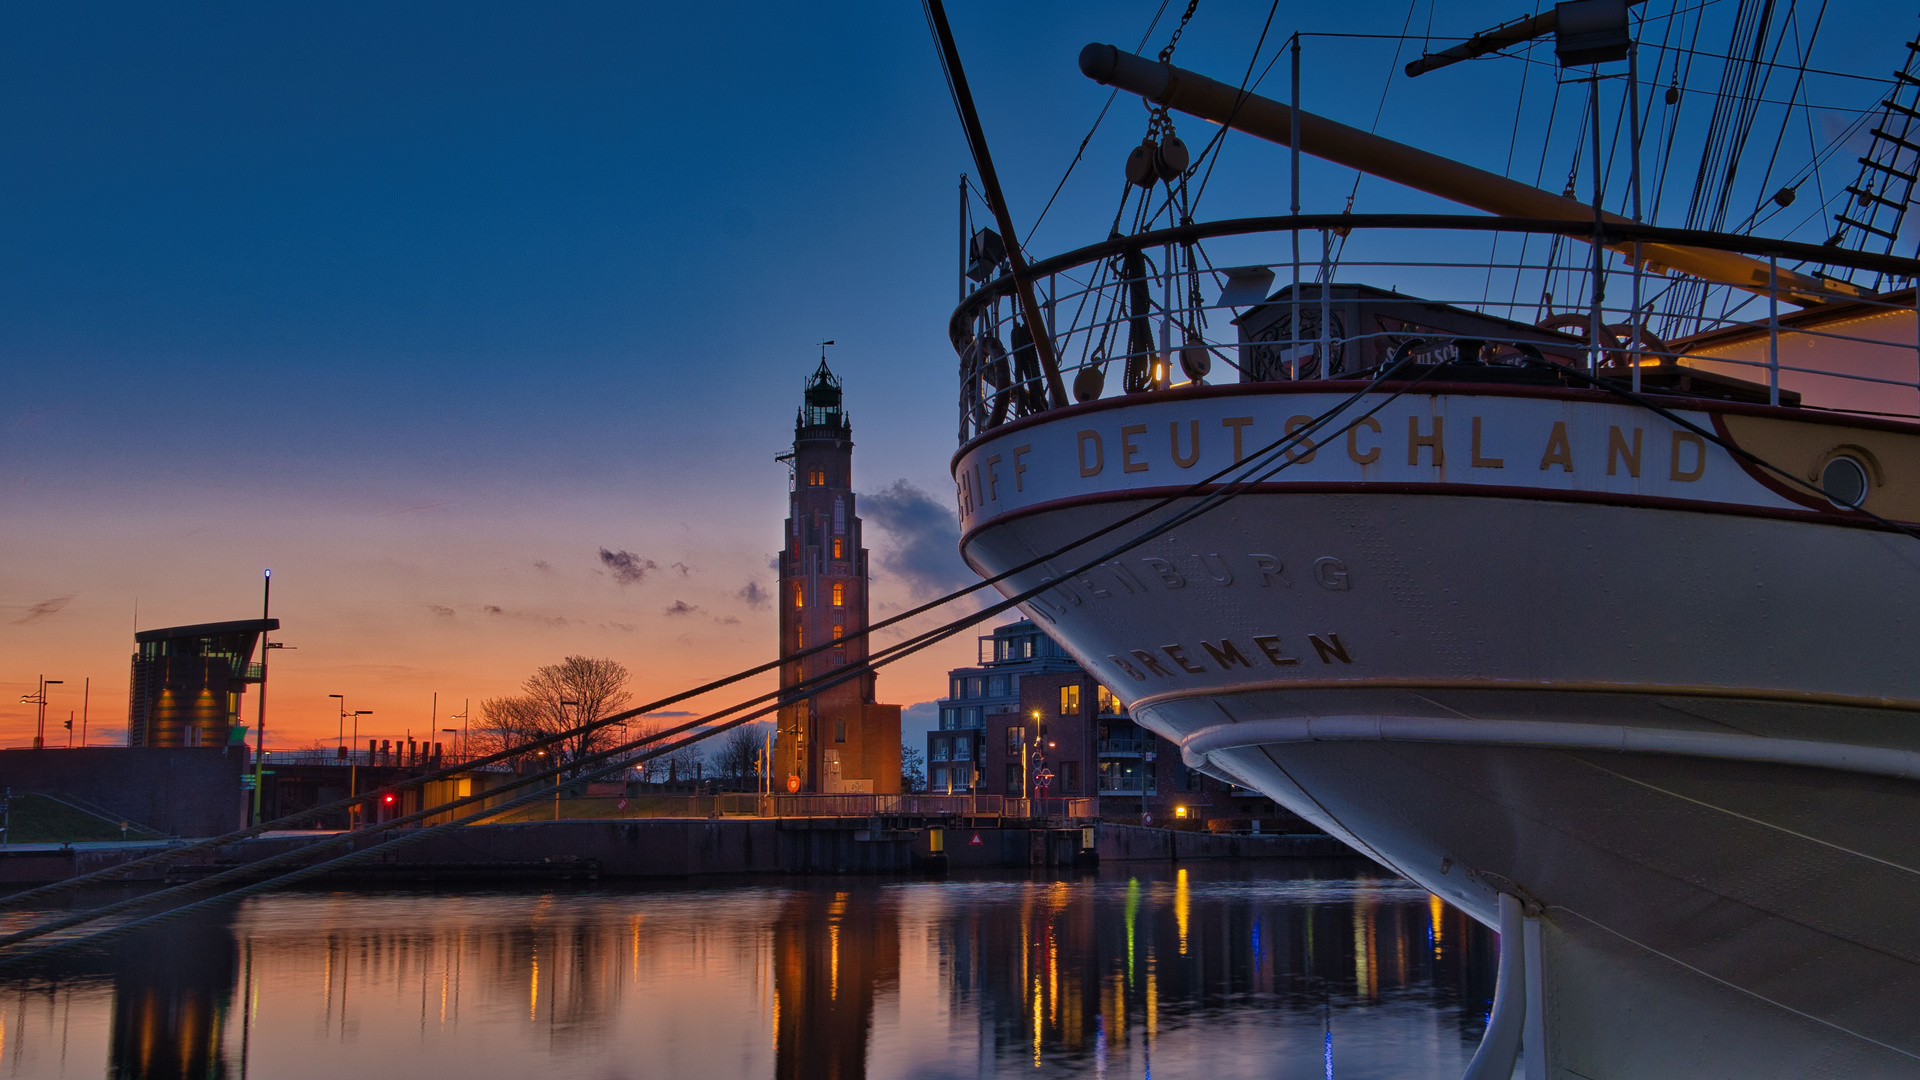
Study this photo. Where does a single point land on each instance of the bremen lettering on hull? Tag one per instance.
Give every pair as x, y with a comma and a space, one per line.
1224, 654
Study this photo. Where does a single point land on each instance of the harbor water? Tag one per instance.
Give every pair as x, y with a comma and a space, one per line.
1272, 970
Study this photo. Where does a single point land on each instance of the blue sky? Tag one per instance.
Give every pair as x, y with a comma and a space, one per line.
424, 304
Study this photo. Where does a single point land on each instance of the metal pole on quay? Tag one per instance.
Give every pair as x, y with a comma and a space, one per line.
353, 770
556, 776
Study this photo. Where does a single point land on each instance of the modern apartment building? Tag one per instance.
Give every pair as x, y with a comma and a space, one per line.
1027, 721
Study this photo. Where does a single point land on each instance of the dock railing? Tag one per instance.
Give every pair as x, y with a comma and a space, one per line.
749, 804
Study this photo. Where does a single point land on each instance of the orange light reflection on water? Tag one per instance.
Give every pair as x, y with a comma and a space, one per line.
869, 979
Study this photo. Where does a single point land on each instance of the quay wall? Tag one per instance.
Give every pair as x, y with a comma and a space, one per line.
662, 848
173, 791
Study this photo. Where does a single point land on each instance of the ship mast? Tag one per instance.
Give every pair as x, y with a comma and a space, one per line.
1209, 99
997, 200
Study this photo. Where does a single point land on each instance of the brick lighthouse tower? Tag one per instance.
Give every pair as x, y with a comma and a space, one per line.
836, 740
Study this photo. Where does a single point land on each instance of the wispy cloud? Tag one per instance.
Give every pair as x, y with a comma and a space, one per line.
684, 569
925, 552
754, 595
627, 568
727, 620
45, 608
543, 566
525, 616
681, 607
422, 506
441, 610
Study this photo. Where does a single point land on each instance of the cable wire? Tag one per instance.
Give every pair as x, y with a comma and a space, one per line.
1273, 452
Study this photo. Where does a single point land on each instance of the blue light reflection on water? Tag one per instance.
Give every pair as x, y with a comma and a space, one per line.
1227, 972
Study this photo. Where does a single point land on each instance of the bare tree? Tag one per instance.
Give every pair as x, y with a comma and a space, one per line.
738, 757
556, 699
685, 763
913, 769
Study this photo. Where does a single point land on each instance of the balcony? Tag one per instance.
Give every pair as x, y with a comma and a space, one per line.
1134, 747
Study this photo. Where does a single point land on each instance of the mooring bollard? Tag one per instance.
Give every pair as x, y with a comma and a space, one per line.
1088, 857
936, 864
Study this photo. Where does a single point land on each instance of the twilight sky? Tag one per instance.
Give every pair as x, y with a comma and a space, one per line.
424, 305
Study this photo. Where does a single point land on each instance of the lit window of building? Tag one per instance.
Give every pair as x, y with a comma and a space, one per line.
1070, 700
839, 548
839, 588
838, 631
799, 595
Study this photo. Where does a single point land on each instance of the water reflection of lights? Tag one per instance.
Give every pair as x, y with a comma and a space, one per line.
1182, 906
897, 979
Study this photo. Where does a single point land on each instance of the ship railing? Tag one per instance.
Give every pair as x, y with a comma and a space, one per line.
1139, 307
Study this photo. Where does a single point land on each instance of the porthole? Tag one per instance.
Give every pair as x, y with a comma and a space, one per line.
1845, 482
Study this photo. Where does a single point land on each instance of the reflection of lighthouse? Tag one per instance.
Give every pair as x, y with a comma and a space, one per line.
836, 740
171, 992
832, 954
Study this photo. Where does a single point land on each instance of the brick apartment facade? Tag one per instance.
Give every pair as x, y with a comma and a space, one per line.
1029, 722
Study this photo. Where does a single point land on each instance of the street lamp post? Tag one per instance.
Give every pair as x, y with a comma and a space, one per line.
340, 743
465, 707
260, 718
353, 770
40, 739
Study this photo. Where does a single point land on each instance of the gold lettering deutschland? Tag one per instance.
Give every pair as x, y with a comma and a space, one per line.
1193, 443
1127, 449
1699, 468
1433, 442
1353, 441
1236, 423
1303, 450
977, 483
1617, 452
1099, 454
1480, 461
1559, 450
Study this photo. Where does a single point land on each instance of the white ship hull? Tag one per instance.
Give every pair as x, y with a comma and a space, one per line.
1568, 565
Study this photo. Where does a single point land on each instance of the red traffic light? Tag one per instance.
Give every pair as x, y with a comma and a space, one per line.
388, 799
